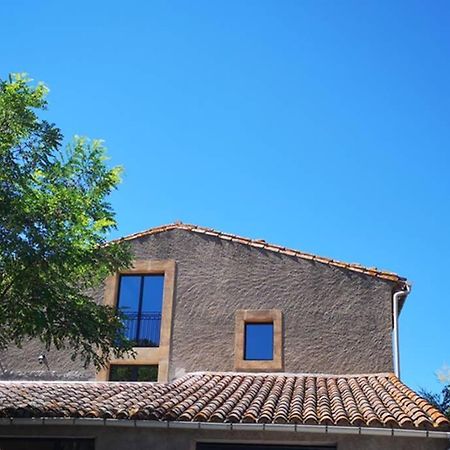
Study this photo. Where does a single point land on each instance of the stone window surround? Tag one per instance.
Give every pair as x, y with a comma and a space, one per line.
147, 355
244, 316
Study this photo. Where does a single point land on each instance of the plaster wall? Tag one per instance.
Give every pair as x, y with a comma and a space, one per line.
118, 438
334, 320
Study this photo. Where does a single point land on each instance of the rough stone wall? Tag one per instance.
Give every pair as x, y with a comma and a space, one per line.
335, 321
127, 438
23, 363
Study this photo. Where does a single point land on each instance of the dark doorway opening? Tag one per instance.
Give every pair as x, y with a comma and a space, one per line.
46, 444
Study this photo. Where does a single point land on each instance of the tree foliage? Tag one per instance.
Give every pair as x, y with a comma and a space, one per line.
54, 219
441, 400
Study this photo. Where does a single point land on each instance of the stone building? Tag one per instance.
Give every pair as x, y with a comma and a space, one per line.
240, 344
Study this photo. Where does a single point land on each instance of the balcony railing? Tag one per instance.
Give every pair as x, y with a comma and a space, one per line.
143, 329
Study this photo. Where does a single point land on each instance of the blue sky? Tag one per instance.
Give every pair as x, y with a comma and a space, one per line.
319, 125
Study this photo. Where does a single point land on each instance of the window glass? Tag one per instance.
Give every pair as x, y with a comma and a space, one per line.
152, 293
129, 291
133, 373
140, 300
258, 341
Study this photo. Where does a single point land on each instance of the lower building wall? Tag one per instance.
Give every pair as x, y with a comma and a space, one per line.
124, 438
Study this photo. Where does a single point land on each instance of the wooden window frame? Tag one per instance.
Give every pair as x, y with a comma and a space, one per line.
147, 355
244, 316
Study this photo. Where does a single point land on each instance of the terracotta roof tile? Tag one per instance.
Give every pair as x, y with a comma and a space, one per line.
378, 400
258, 243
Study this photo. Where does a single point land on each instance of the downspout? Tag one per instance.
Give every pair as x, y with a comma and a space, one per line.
396, 349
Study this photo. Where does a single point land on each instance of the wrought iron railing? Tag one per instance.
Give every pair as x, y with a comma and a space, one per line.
143, 329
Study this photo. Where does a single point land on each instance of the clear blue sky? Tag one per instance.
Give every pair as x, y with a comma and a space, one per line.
320, 125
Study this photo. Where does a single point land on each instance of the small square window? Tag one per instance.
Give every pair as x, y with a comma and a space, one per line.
133, 372
258, 342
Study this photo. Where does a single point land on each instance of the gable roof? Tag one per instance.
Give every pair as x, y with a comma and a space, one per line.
377, 400
261, 244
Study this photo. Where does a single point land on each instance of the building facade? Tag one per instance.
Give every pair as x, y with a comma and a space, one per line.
253, 346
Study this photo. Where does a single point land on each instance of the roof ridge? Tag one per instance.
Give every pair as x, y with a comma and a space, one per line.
262, 244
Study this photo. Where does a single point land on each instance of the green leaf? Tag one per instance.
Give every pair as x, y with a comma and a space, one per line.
54, 221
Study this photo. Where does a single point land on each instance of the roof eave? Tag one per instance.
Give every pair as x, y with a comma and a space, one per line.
257, 243
286, 428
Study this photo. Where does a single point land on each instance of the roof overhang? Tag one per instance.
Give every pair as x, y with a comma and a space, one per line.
282, 428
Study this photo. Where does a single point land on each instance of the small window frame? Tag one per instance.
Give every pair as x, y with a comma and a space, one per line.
244, 316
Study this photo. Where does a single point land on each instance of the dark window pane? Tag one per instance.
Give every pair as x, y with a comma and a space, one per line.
133, 373
129, 291
150, 324
258, 341
153, 293
46, 444
120, 373
149, 330
147, 373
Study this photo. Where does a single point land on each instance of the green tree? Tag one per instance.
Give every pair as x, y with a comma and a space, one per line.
442, 400
54, 219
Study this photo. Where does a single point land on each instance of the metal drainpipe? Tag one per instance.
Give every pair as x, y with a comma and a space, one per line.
395, 300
